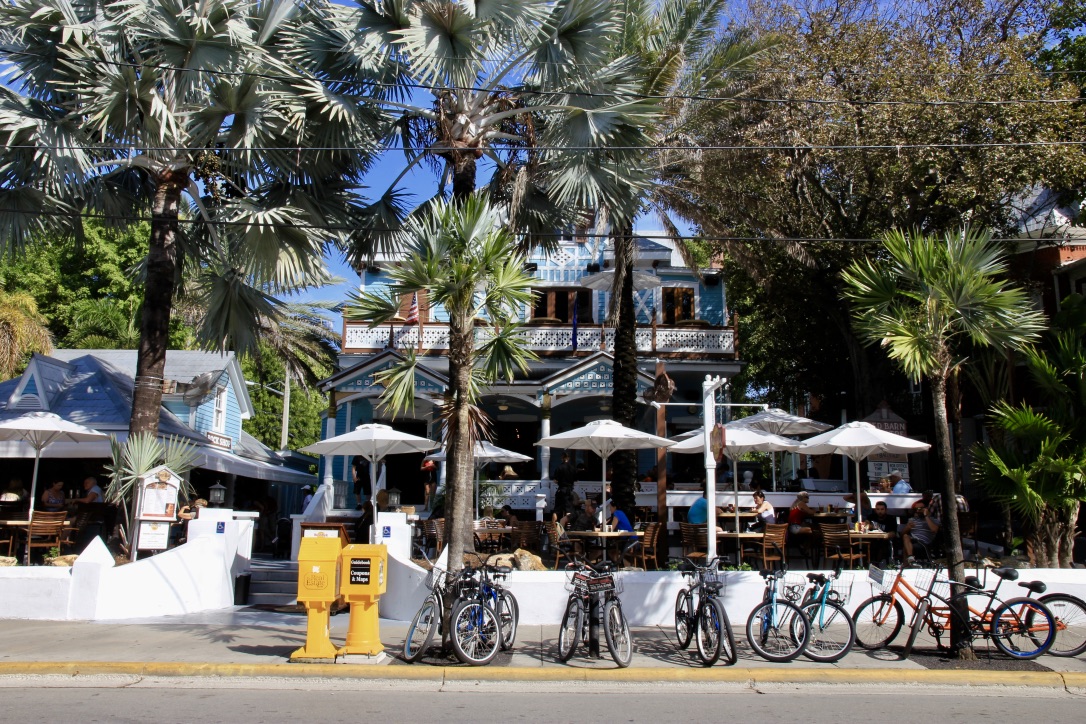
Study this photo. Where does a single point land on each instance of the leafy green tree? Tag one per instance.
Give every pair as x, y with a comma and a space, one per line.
120, 109
268, 373
902, 115
922, 300
22, 332
105, 324
462, 256
1035, 461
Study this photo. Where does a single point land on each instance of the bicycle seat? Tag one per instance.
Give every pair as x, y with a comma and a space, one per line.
767, 572
1035, 586
603, 567
972, 581
1007, 574
713, 587
818, 578
500, 570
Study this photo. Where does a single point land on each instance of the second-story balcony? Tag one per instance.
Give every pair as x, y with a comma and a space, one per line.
692, 340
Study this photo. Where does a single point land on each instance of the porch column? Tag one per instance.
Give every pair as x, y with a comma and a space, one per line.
545, 431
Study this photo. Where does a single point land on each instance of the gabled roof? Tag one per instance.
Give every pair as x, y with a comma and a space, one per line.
182, 366
92, 392
360, 373
592, 374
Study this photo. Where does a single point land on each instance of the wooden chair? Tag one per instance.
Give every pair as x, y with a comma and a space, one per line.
695, 541
648, 547
46, 530
526, 534
433, 532
772, 546
7, 535
563, 547
839, 548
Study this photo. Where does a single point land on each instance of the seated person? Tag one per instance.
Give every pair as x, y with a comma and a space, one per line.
93, 492
881, 520
15, 492
508, 473
764, 509
580, 518
924, 502
507, 515
619, 521
190, 512
865, 502
699, 513
883, 486
921, 528
799, 515
52, 500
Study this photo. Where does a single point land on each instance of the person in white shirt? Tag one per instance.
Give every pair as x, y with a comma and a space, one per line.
94, 493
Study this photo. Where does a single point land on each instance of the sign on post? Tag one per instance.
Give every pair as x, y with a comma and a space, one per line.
158, 508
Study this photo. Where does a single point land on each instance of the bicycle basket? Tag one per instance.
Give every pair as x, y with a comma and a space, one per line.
791, 586
720, 577
840, 591
435, 579
881, 581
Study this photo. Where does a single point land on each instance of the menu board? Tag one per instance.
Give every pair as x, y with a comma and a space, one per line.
158, 500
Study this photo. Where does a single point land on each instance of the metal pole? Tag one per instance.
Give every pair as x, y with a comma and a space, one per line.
286, 412
708, 418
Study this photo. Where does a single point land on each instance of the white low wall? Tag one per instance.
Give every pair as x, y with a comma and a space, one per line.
648, 597
37, 592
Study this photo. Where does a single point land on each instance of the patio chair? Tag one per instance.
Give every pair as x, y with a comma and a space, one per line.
695, 540
46, 530
7, 535
647, 547
839, 548
772, 546
526, 534
566, 548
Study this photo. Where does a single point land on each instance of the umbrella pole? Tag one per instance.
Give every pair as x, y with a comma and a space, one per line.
735, 490
30, 514
773, 458
603, 493
859, 495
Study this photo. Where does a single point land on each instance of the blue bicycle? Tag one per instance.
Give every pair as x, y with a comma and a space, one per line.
832, 630
776, 629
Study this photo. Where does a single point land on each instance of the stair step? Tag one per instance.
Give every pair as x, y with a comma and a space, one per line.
264, 574
274, 586
271, 599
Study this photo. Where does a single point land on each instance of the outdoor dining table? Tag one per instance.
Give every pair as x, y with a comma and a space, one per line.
868, 537
739, 537
604, 535
491, 537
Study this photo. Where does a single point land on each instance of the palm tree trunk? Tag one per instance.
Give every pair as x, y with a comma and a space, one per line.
463, 177
458, 485
623, 464
944, 466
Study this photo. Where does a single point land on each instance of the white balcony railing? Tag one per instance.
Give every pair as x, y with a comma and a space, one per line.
549, 338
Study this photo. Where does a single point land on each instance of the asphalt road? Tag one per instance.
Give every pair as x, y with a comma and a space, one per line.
117, 699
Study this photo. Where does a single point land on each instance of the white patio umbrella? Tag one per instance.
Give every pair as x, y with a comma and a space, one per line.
603, 281
779, 422
604, 437
39, 430
857, 440
485, 452
374, 442
738, 440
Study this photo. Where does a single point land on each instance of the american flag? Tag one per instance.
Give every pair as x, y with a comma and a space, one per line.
413, 312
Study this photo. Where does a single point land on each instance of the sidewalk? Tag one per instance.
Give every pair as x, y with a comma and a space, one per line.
245, 641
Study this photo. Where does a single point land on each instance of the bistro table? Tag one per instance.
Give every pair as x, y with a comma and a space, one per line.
490, 538
604, 535
739, 537
868, 537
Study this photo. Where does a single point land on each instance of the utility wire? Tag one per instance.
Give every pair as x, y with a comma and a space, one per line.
954, 103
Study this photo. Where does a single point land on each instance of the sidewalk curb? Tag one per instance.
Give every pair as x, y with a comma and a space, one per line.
719, 674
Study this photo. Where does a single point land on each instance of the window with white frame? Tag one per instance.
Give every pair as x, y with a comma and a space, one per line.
218, 423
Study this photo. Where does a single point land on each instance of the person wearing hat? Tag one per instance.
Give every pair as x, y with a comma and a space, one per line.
577, 518
307, 492
899, 486
799, 515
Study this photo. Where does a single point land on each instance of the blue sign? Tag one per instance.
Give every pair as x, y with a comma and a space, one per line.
386, 531
220, 526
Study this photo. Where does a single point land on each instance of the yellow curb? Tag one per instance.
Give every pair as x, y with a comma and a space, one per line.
717, 674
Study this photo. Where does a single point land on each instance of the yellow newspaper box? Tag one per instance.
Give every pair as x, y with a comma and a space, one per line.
362, 579
318, 589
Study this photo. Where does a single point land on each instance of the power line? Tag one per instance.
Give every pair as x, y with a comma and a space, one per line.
384, 230
954, 103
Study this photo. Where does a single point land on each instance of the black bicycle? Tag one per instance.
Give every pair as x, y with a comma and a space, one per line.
583, 583
706, 618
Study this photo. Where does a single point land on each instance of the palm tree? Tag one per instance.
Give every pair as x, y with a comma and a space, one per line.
105, 324
23, 331
923, 303
124, 110
508, 85
461, 255
683, 55
1035, 460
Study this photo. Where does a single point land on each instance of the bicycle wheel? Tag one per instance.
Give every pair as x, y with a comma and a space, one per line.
774, 633
475, 633
919, 622
1070, 614
570, 632
709, 632
509, 616
421, 633
617, 631
727, 638
684, 618
1023, 628
832, 632
877, 621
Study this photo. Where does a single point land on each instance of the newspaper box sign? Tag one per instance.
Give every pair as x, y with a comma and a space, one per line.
158, 497
360, 571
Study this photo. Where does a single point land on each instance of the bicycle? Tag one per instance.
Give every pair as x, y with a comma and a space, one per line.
708, 618
430, 618
1070, 614
832, 631
584, 582
1014, 625
776, 629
